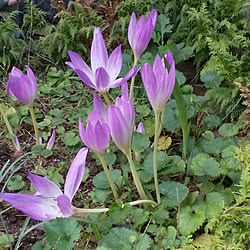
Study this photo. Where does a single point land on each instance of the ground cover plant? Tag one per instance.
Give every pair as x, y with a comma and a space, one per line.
110, 137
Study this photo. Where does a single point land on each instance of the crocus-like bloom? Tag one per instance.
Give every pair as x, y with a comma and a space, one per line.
158, 82
51, 140
97, 134
104, 70
22, 87
99, 106
140, 128
49, 201
121, 121
139, 33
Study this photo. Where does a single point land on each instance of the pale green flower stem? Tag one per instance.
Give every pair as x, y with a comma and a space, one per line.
33, 117
82, 212
106, 97
8, 126
111, 183
132, 82
135, 176
158, 197
162, 120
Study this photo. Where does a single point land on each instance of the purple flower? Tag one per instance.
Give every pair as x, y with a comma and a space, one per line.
97, 134
99, 106
140, 128
104, 70
139, 33
158, 82
22, 87
49, 201
51, 140
121, 120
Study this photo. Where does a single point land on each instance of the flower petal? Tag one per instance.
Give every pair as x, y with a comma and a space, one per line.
78, 63
36, 207
140, 128
32, 81
85, 78
75, 173
64, 204
99, 54
115, 63
102, 79
44, 186
51, 140
131, 30
99, 106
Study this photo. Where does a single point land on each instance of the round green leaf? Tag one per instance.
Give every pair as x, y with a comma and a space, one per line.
228, 129
211, 79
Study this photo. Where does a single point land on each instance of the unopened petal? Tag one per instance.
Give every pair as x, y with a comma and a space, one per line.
75, 173
51, 140
99, 106
140, 128
102, 79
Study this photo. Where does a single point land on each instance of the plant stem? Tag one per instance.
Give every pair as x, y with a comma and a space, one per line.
8, 126
33, 117
135, 176
83, 212
132, 82
162, 120
157, 116
112, 184
106, 97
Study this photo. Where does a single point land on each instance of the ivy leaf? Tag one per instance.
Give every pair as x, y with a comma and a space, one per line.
62, 232
190, 221
15, 183
202, 164
169, 190
228, 130
211, 79
139, 142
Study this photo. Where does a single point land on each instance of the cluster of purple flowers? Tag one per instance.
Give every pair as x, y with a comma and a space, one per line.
117, 121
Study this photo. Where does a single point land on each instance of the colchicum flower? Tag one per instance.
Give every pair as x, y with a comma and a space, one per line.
121, 120
51, 140
97, 134
49, 201
140, 128
104, 70
158, 82
100, 107
140, 32
22, 87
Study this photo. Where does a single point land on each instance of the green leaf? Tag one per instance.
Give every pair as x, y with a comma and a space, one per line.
169, 189
212, 121
143, 242
209, 135
71, 139
140, 216
54, 175
40, 245
206, 187
202, 164
189, 220
211, 79
149, 126
15, 183
99, 195
62, 232
101, 181
180, 77
4, 240
228, 130
140, 142
160, 216
169, 237
57, 112
163, 26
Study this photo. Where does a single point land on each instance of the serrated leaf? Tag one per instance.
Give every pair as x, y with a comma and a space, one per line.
40, 245
212, 121
202, 164
206, 187
62, 232
160, 216
189, 220
180, 77
169, 189
211, 79
71, 139
209, 135
143, 242
169, 237
149, 126
4, 240
164, 143
140, 216
15, 183
140, 142
228, 130
101, 181
99, 195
